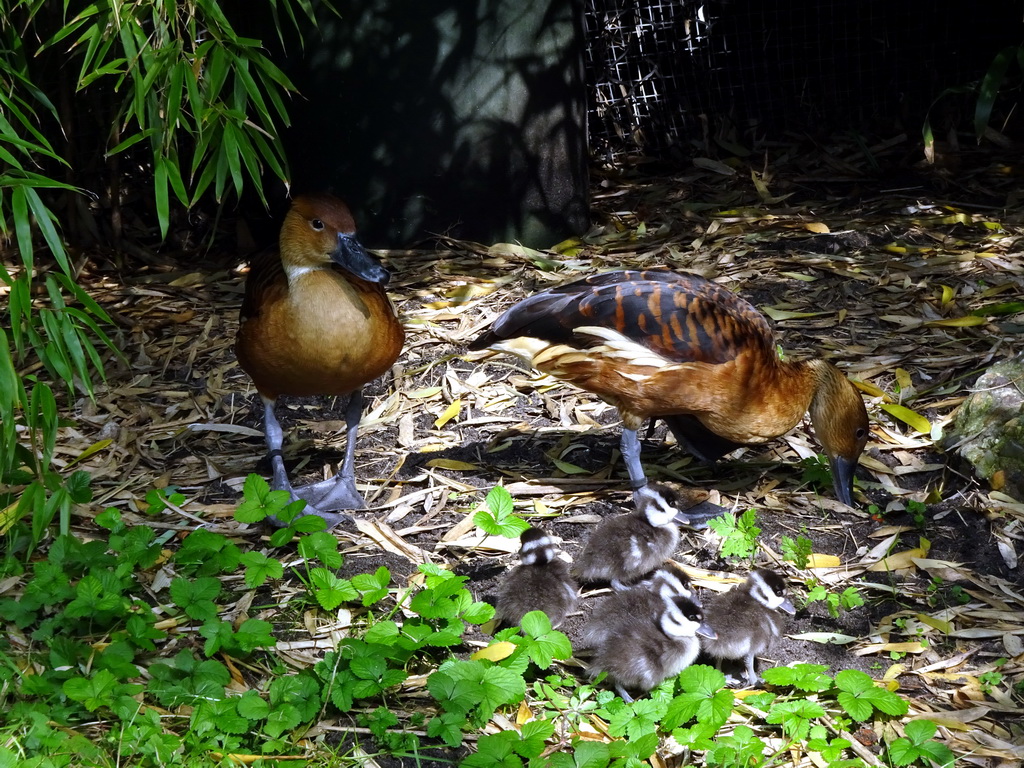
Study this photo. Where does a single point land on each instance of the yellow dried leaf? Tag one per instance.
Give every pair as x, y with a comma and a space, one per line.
800, 276
894, 671
818, 227
943, 626
907, 416
523, 714
449, 413
463, 293
947, 295
903, 378
909, 647
451, 464
967, 321
868, 388
825, 638
433, 447
899, 561
8, 517
714, 166
748, 692
495, 651
96, 447
818, 560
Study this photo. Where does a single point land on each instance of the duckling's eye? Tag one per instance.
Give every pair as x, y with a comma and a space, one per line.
316, 224
861, 433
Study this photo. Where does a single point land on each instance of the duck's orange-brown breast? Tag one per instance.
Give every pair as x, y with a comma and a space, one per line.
325, 334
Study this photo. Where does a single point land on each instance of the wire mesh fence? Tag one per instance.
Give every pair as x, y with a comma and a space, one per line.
660, 72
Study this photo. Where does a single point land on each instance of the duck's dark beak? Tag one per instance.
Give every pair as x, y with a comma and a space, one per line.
704, 630
352, 257
697, 517
842, 478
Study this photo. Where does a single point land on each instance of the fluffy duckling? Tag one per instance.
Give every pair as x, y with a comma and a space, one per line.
644, 601
625, 547
540, 583
746, 619
639, 651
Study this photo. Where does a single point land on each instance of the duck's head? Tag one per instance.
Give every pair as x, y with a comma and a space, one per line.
683, 617
840, 421
769, 589
319, 230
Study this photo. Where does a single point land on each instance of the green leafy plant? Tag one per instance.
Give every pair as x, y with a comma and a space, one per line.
816, 471
916, 510
836, 602
739, 534
985, 91
172, 89
992, 679
498, 519
797, 551
917, 746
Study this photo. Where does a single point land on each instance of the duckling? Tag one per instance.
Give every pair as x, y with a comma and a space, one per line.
746, 619
625, 547
643, 601
657, 344
540, 583
639, 652
316, 320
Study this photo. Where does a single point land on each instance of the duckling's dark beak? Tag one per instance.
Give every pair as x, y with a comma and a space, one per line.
788, 607
706, 631
697, 517
842, 478
352, 257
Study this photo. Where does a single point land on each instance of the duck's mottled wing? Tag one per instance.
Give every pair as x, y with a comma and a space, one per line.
683, 318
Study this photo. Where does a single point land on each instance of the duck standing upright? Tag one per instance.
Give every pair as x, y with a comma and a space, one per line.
316, 320
657, 344
643, 602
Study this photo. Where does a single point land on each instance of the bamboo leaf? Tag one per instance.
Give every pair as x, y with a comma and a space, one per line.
907, 416
450, 413
967, 321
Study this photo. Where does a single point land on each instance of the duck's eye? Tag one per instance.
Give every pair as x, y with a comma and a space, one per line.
861, 433
316, 224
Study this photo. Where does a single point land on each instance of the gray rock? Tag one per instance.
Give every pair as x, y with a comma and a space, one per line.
989, 428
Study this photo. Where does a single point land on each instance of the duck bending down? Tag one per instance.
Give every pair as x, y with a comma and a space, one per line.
316, 321
658, 344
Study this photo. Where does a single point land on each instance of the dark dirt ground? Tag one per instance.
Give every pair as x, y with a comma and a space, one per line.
183, 414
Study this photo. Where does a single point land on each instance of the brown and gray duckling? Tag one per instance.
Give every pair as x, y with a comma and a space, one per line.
627, 547
644, 601
541, 582
639, 651
747, 619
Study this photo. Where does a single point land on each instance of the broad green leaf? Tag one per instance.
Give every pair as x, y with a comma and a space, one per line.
912, 418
